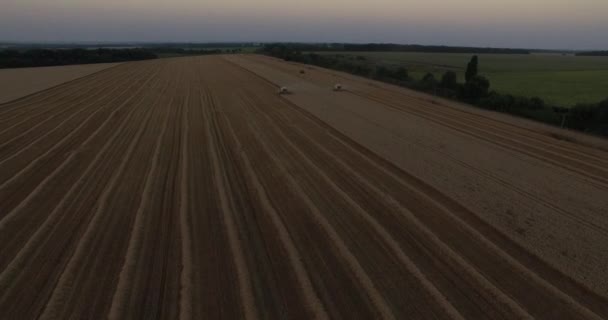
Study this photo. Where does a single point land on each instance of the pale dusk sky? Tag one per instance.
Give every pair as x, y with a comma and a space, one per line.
551, 24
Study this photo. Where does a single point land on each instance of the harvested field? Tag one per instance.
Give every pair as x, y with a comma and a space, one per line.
189, 189
18, 83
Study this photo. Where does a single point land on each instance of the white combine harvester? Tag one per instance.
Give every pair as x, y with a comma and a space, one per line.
283, 90
338, 87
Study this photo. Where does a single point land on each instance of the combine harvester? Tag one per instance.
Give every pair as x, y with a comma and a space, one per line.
284, 90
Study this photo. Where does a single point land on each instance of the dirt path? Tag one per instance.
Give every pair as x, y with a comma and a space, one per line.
187, 189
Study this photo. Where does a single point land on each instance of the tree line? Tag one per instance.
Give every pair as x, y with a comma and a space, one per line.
390, 47
48, 57
60, 57
475, 89
593, 54
127, 45
193, 52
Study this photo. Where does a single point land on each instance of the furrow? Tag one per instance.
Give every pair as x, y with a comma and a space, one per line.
589, 171
106, 95
440, 299
479, 238
513, 132
295, 258
480, 281
128, 271
333, 272
54, 94
4, 188
25, 133
377, 299
35, 171
50, 245
77, 291
227, 207
186, 274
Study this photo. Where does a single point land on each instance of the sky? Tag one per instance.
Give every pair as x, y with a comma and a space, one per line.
546, 24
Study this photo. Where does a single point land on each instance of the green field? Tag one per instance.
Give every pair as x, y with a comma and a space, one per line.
558, 79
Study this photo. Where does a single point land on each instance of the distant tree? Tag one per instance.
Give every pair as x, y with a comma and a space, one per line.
581, 115
472, 69
362, 70
603, 111
57, 57
382, 72
401, 74
428, 82
593, 53
449, 80
495, 101
477, 87
536, 103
